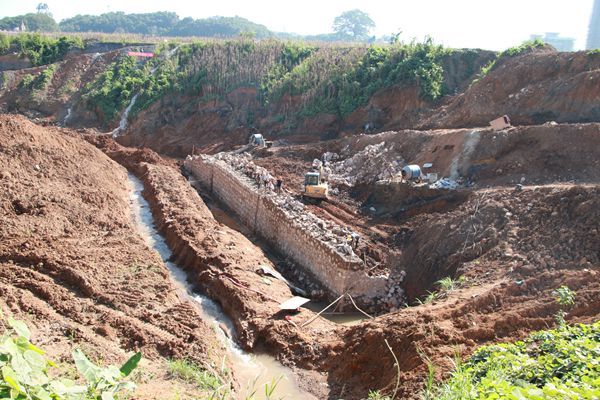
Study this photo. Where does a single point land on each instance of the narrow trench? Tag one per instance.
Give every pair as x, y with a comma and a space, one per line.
225, 217
252, 371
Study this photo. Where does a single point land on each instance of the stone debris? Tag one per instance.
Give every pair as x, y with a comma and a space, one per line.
330, 234
374, 163
445, 183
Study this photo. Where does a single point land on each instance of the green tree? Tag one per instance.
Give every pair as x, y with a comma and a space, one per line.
353, 25
42, 8
34, 22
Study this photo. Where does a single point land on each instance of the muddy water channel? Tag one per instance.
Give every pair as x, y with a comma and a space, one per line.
252, 371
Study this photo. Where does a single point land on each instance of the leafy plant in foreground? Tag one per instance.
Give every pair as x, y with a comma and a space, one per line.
24, 372
554, 364
565, 298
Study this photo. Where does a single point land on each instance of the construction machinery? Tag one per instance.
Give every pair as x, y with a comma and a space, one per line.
258, 140
314, 186
411, 173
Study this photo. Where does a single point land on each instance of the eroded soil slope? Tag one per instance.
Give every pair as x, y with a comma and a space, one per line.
512, 247
72, 265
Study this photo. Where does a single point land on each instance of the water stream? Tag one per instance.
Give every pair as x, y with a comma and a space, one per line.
252, 371
123, 121
67, 116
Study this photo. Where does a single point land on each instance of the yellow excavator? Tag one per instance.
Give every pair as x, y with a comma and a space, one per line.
314, 186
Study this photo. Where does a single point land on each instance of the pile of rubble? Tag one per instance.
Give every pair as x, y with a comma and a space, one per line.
334, 236
374, 163
445, 183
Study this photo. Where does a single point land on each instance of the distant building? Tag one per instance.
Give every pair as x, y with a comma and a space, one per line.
593, 40
554, 39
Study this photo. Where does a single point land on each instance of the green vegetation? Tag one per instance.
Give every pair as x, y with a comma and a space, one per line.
204, 378
163, 23
325, 79
565, 298
523, 48
112, 90
446, 285
27, 80
594, 52
34, 22
338, 80
190, 372
376, 395
38, 83
555, 364
24, 370
39, 49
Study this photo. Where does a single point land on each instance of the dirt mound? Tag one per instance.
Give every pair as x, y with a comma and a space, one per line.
533, 88
72, 264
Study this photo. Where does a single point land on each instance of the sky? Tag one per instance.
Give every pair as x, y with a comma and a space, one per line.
494, 25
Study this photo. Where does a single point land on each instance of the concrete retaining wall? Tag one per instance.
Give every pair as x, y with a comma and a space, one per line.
262, 215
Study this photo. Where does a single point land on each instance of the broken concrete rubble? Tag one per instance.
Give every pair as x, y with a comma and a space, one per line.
320, 248
375, 162
332, 235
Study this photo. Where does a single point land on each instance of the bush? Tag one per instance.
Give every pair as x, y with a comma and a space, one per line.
42, 50
24, 370
327, 79
112, 90
338, 81
555, 364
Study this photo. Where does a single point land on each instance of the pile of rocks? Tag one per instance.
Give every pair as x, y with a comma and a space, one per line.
374, 163
332, 235
445, 183
243, 163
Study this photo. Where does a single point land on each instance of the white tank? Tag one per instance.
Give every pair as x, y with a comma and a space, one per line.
411, 172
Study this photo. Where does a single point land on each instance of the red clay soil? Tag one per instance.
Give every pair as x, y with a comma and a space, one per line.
512, 247
224, 264
51, 102
510, 271
532, 88
72, 264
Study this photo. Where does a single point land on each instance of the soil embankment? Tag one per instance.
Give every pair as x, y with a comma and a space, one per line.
72, 265
502, 241
225, 265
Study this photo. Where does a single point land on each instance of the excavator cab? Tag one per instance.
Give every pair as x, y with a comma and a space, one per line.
314, 187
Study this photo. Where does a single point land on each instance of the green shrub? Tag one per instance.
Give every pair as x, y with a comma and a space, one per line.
335, 80
327, 79
27, 80
44, 78
594, 52
24, 372
526, 46
112, 90
554, 364
4, 43
42, 50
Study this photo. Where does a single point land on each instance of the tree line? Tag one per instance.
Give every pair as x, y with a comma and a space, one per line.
353, 25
